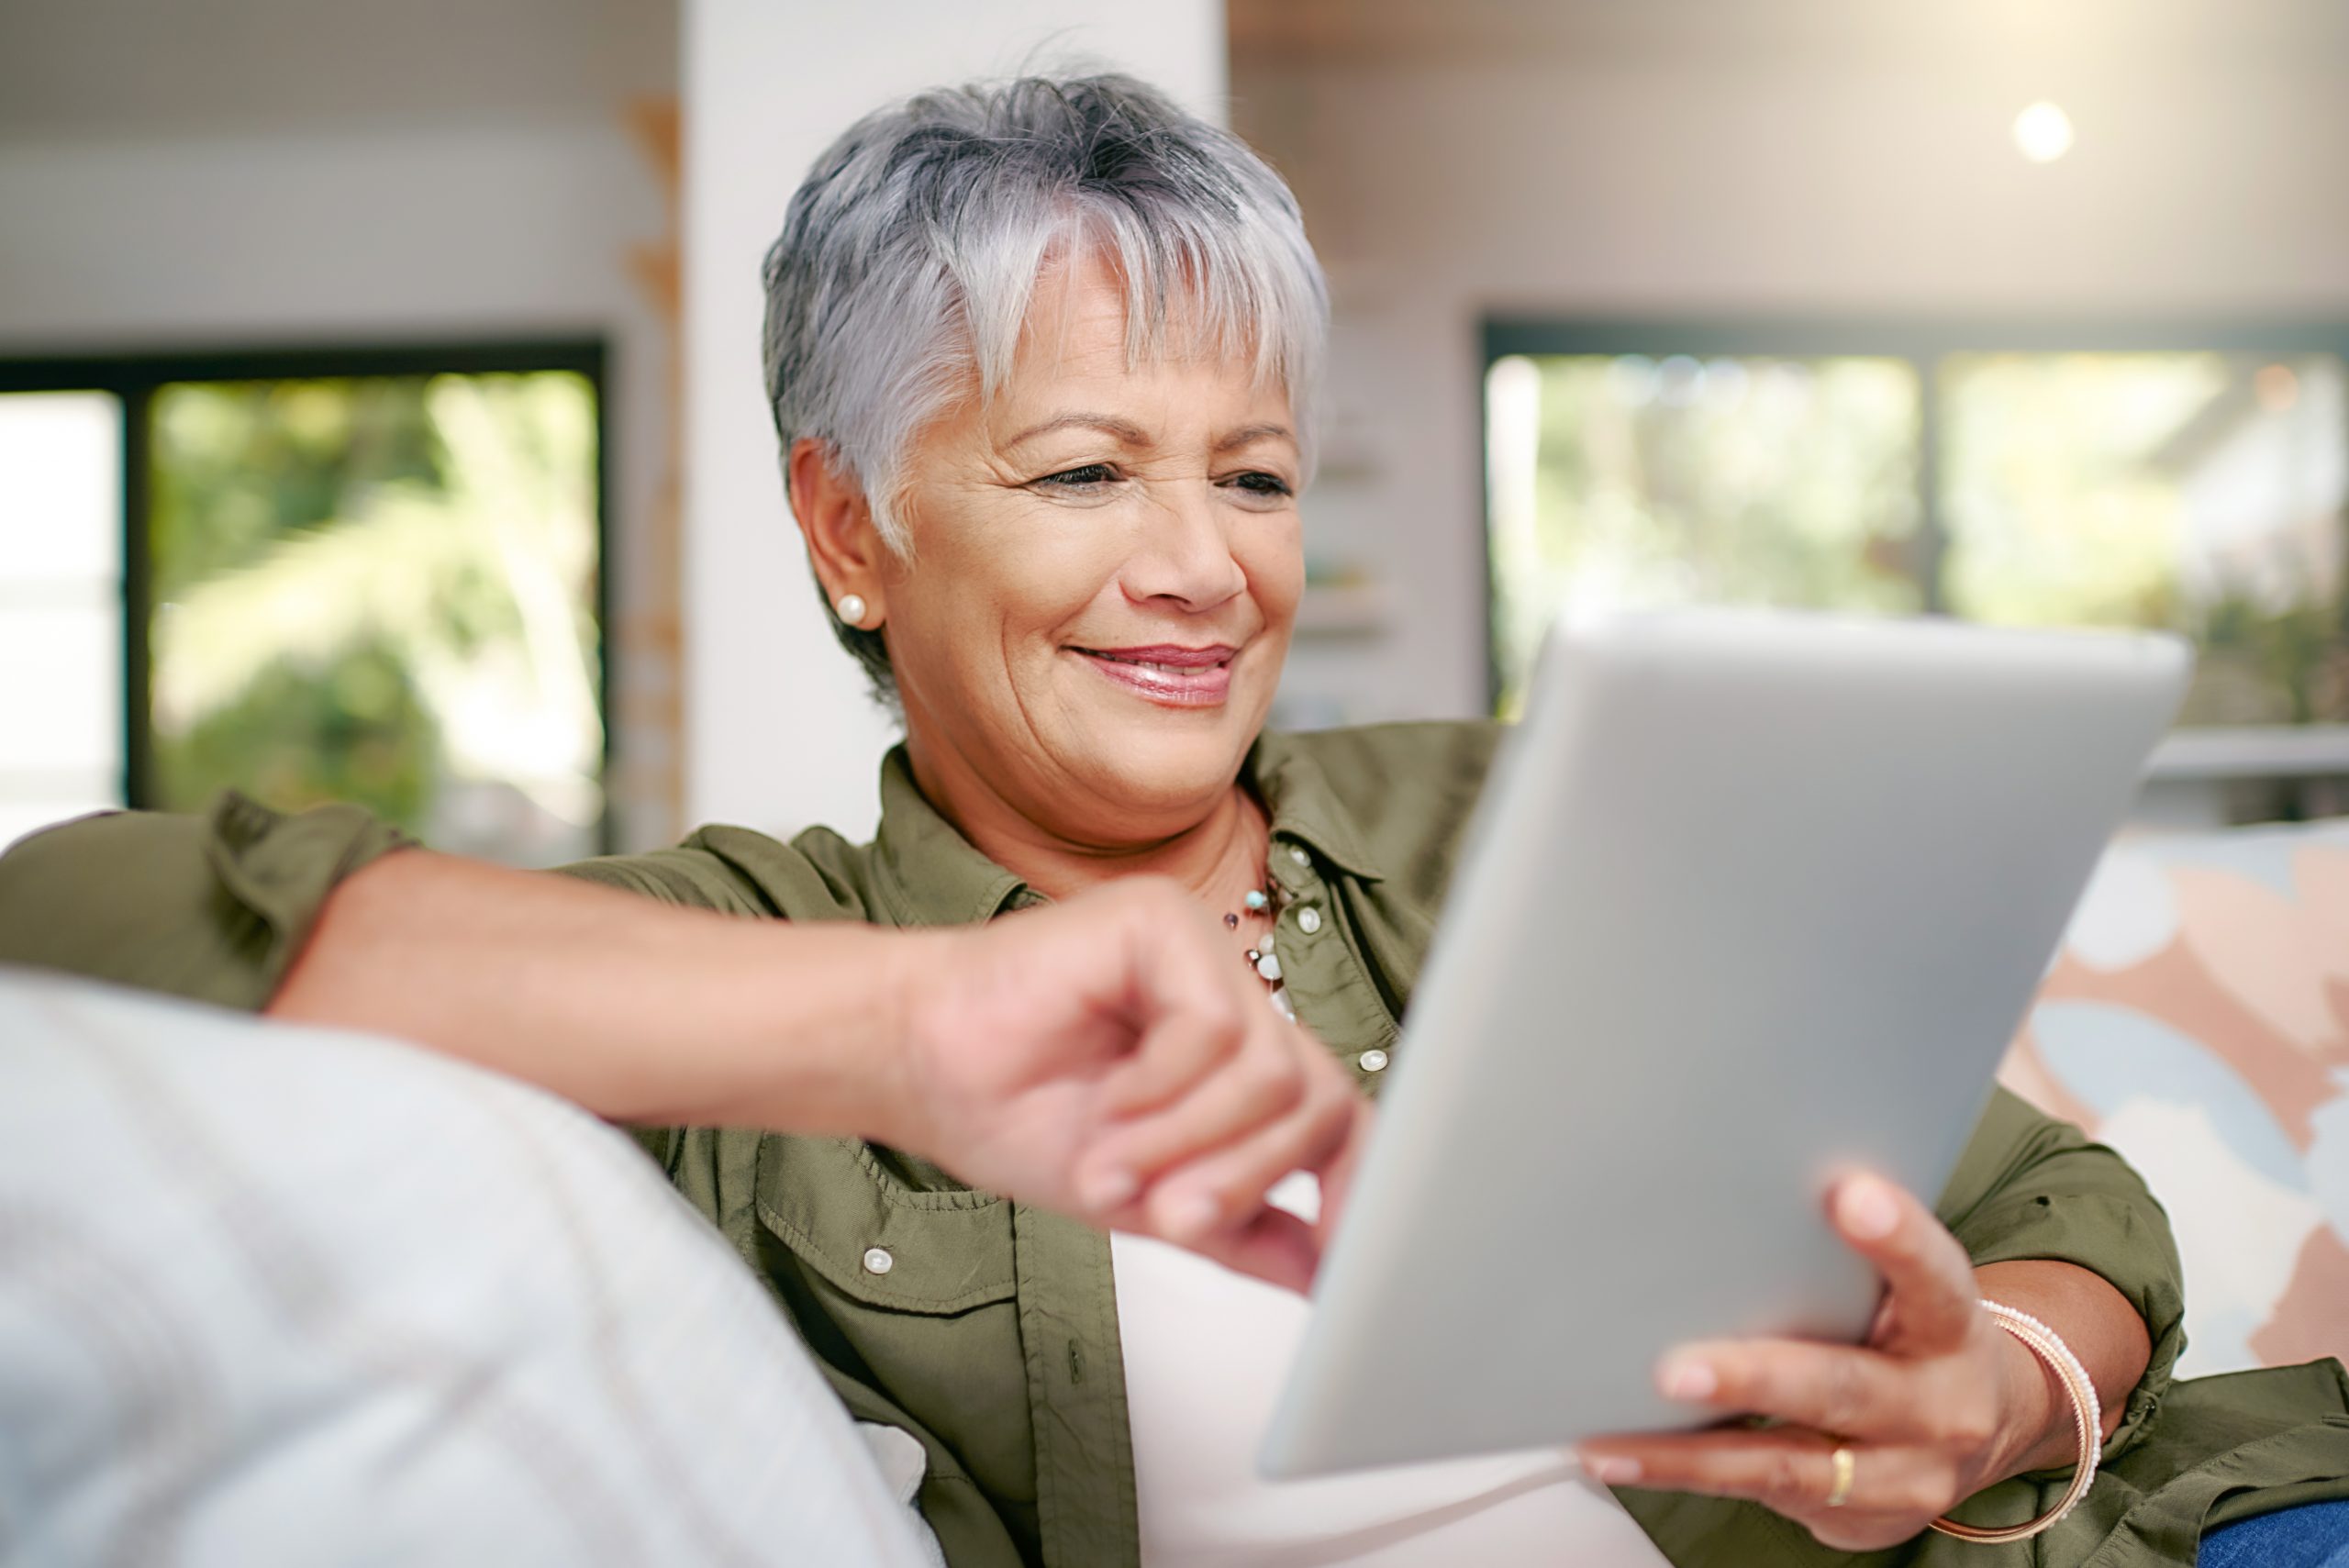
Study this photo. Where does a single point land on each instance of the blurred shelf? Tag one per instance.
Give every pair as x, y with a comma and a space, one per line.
1356, 609
2253, 751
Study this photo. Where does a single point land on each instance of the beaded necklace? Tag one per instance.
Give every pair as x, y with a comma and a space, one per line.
1264, 902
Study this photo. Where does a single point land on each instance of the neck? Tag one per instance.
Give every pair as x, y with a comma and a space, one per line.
1212, 857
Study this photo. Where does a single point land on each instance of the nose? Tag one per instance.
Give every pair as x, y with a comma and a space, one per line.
1184, 556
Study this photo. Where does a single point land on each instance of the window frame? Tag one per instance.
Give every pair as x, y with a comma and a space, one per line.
1923, 344
136, 377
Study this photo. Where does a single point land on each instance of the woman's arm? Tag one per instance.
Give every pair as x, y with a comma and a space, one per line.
2101, 1328
211, 907
1102, 1057
638, 1011
2032, 1189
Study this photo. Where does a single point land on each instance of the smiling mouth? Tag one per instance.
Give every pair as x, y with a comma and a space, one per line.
1174, 678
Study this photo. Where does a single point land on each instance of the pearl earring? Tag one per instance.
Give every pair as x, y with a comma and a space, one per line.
851, 609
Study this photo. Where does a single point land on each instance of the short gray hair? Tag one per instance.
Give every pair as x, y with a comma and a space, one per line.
910, 254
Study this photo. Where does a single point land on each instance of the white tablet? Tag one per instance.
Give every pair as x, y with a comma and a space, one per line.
1750, 898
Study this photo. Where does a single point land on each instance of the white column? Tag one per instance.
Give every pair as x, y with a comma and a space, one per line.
779, 732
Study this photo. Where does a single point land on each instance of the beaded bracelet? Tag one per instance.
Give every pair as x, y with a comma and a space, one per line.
2087, 1423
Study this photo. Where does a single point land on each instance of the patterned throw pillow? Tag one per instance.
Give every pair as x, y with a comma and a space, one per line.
2197, 1020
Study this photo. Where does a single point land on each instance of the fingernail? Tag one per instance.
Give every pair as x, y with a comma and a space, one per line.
1106, 1190
1867, 1211
1687, 1380
1193, 1213
1610, 1470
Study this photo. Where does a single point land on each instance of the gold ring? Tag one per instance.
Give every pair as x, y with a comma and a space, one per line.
1845, 1465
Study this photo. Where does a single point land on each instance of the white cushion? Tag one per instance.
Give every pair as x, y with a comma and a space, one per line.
286, 1295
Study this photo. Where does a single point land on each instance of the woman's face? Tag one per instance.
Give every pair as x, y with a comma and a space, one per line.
1105, 570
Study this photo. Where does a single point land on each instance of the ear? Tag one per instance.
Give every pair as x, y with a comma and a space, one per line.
844, 543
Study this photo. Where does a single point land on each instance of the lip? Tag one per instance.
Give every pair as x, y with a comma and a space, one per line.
1168, 674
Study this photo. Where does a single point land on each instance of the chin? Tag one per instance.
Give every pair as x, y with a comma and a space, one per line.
1168, 763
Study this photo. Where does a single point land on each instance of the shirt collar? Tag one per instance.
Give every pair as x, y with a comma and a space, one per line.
927, 873
1305, 809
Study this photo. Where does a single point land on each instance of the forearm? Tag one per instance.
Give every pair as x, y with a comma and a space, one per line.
2036, 1194
2103, 1332
637, 1010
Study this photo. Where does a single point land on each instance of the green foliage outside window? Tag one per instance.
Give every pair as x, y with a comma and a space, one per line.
382, 590
1790, 483
2203, 493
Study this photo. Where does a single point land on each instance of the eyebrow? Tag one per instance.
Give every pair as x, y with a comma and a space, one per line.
1129, 434
1250, 433
1125, 430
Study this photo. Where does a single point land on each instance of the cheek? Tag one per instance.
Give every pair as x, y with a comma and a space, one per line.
1273, 560
1001, 589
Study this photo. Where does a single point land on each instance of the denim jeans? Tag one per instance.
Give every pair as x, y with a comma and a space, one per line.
2315, 1535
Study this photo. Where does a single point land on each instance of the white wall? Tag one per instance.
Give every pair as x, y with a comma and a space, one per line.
1691, 170
779, 730
355, 234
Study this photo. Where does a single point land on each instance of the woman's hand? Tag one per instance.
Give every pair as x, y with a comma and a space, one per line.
1939, 1403
1107, 1057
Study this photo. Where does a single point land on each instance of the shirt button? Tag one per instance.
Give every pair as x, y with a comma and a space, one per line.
1309, 920
877, 1260
1297, 853
1371, 1060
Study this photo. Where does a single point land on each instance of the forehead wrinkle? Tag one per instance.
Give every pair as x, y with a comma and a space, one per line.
1078, 330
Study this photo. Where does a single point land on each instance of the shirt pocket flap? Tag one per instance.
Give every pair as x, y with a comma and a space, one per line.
879, 1240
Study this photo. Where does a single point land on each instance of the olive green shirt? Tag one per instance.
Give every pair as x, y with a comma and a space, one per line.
993, 1339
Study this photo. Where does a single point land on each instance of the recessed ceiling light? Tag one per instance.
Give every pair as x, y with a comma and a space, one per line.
2044, 132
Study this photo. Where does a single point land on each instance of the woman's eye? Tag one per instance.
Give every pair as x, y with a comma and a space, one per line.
1079, 478
1258, 482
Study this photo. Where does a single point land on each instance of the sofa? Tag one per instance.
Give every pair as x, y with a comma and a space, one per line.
2197, 1019
286, 1295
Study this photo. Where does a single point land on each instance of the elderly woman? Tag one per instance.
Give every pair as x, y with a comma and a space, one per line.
1043, 360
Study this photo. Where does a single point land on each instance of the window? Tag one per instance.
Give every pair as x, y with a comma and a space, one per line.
61, 607
373, 577
2203, 488
2201, 491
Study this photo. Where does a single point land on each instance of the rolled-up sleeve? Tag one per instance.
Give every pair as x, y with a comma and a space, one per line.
2031, 1186
213, 906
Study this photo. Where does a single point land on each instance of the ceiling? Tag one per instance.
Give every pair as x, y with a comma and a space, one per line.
2294, 34
139, 68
